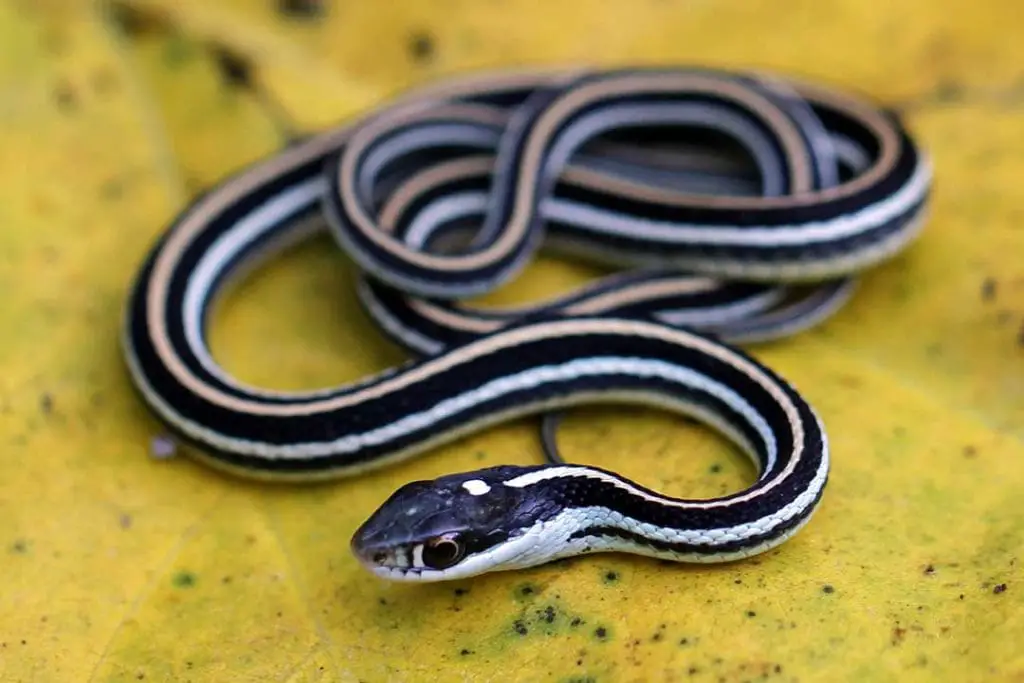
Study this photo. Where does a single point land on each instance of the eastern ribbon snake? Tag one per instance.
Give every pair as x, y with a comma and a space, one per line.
728, 207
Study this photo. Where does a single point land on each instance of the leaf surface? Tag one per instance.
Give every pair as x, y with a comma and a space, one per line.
121, 567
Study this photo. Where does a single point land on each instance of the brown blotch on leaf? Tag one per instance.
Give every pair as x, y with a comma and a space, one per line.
421, 47
64, 94
989, 288
302, 9
134, 21
235, 69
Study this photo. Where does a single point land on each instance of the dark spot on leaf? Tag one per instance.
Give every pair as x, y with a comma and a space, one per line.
112, 189
988, 289
738, 581
184, 579
611, 577
897, 635
20, 546
235, 69
465, 652
1001, 588
133, 21
828, 589
778, 668
382, 601
65, 97
46, 404
751, 613
601, 632
459, 592
684, 641
576, 621
421, 47
970, 451
520, 627
124, 521
225, 579
929, 570
526, 590
549, 614
301, 9
693, 670
716, 468
949, 91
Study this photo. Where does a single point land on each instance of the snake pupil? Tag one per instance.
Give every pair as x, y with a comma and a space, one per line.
441, 553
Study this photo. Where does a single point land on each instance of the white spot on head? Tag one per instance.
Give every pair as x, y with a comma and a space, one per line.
476, 487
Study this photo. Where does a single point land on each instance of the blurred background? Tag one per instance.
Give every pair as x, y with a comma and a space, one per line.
118, 566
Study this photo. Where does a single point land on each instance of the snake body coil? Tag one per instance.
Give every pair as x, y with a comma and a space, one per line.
737, 208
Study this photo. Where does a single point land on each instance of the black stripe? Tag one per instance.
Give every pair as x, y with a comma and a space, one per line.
763, 215
590, 492
399, 306
699, 548
375, 413
371, 258
639, 248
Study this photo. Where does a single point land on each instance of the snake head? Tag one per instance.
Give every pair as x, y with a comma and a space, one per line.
452, 527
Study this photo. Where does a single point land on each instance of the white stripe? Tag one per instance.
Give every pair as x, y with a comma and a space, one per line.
423, 136
389, 323
551, 539
527, 379
601, 221
250, 228
757, 143
607, 222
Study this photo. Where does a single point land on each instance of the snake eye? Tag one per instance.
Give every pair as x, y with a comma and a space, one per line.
442, 552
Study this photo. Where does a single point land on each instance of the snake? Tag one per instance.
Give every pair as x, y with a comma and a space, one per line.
721, 208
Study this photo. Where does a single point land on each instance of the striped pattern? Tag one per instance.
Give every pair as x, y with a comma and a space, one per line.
748, 203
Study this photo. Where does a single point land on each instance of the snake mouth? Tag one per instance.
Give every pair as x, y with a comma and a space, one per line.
393, 564
407, 574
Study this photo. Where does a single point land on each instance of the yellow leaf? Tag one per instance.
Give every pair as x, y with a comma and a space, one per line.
121, 567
